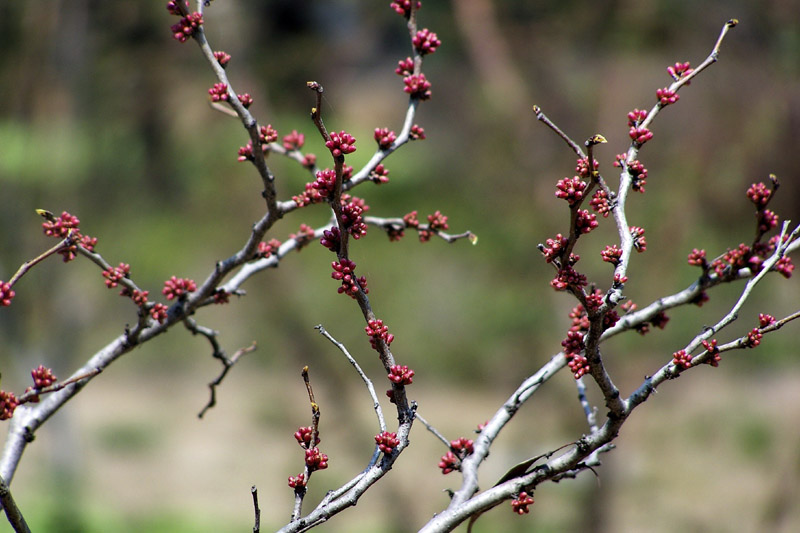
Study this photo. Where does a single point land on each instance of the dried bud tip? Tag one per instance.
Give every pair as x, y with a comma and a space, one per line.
50, 217
774, 180
595, 139
733, 22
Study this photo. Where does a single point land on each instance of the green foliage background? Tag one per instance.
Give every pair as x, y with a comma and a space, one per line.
103, 114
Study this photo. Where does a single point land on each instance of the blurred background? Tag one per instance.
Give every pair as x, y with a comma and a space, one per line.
105, 115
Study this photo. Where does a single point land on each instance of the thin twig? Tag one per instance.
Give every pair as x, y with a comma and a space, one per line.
227, 364
13, 513
27, 265
668, 371
315, 414
256, 510
370, 388
396, 225
432, 429
35, 393
540, 116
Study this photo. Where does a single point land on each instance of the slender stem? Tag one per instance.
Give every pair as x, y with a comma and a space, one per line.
376, 404
27, 265
432, 429
13, 513
256, 510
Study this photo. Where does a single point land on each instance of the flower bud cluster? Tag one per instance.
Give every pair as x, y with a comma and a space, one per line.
679, 70
341, 143
245, 99
681, 359
411, 219
449, 462
222, 58
568, 277
303, 236
698, 258
266, 135
187, 26
66, 225
60, 227
638, 134
379, 174
331, 238
159, 312
266, 249
219, 92
573, 351
426, 42
582, 168
785, 266
459, 449
8, 403
401, 375
294, 141
43, 377
638, 175
666, 96
417, 86
403, 7
600, 204
639, 242
553, 247
405, 67
352, 219
753, 338
636, 117
713, 350
377, 331
759, 194
571, 190
585, 222
344, 271
114, 275
178, 287
612, 254
316, 460
6, 294
462, 446
174, 7
520, 504
297, 481
436, 222
767, 220
387, 442
303, 437
384, 137
417, 133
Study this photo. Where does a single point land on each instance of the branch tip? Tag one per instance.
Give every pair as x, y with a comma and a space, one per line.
595, 139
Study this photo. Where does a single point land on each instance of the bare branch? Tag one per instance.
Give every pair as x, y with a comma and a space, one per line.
370, 388
13, 513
